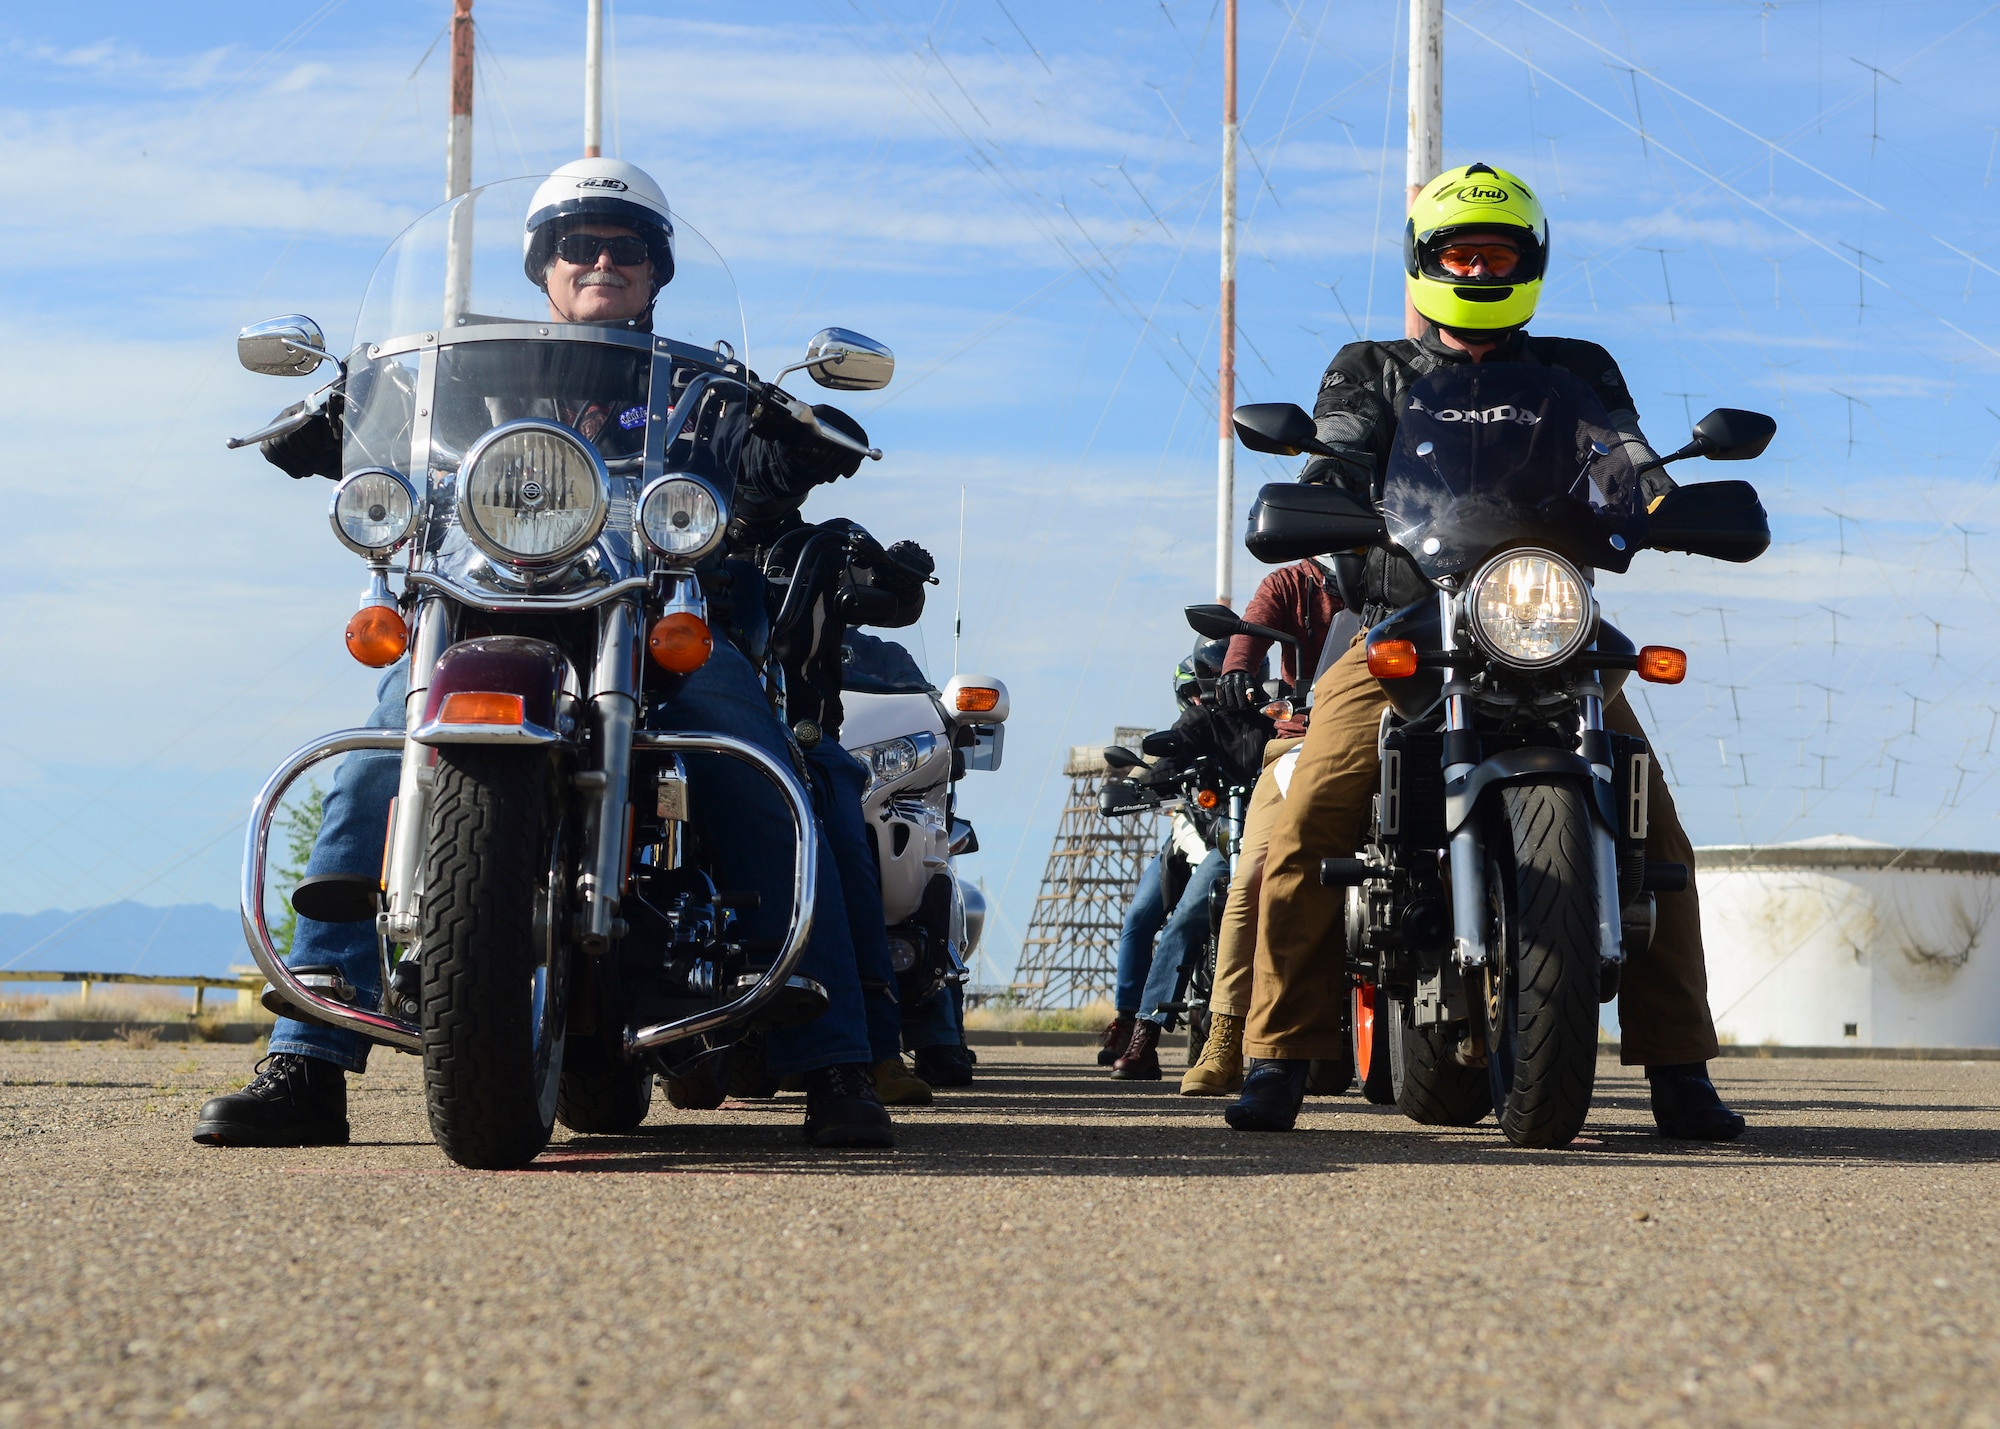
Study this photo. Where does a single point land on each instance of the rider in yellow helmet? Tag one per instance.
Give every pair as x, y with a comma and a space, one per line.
1475, 256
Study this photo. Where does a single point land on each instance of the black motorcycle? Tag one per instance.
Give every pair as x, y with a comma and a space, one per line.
1503, 883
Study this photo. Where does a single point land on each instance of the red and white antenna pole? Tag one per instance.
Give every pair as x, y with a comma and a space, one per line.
458, 152
593, 79
1225, 467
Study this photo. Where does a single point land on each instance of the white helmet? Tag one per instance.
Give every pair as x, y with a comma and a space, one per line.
604, 190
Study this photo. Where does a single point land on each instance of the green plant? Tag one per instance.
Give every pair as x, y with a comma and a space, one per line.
300, 827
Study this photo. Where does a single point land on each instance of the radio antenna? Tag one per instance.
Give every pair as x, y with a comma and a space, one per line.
958, 598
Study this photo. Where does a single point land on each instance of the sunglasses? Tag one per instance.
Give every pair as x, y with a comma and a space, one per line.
583, 248
1501, 259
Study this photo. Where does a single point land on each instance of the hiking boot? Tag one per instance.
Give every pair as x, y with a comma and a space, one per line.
292, 1101
703, 1086
896, 1087
1116, 1038
1687, 1107
1141, 1062
843, 1110
1219, 1071
1272, 1093
945, 1065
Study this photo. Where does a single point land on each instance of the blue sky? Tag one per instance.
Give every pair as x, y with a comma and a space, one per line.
1020, 200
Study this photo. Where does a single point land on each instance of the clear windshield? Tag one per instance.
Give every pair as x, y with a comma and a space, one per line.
1496, 454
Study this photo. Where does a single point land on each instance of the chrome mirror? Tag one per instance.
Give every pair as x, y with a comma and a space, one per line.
848, 362
291, 346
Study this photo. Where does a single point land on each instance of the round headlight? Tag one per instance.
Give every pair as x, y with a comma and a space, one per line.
1531, 608
532, 493
681, 517
372, 511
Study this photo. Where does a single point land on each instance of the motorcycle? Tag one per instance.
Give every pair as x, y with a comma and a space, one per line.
550, 934
1503, 883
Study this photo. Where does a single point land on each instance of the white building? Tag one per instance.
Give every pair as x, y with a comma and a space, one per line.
1838, 941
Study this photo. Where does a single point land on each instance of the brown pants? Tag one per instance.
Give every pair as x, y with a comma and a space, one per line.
1299, 981
1236, 945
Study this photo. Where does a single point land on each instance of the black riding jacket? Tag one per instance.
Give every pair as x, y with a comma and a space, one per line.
1361, 400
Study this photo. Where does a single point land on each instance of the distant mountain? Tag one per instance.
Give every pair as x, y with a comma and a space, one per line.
192, 938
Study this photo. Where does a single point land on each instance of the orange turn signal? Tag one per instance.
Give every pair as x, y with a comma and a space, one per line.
1662, 664
1392, 659
977, 699
1208, 798
680, 643
481, 707
377, 635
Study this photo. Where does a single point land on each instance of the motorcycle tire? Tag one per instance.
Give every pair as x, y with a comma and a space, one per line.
1541, 1032
495, 955
1432, 1088
601, 1093
1368, 1037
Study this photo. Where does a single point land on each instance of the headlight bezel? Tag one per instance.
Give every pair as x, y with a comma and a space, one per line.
588, 533
1586, 629
715, 538
347, 484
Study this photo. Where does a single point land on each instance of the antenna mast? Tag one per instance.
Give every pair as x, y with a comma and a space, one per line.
1225, 463
593, 79
458, 140
1426, 144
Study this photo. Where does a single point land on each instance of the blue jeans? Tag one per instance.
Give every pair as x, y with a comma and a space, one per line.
937, 1021
1185, 934
1143, 918
838, 782
752, 843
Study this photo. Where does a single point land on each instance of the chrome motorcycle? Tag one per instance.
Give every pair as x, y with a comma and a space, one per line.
547, 587
1503, 882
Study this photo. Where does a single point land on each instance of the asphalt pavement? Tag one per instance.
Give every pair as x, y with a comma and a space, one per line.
1048, 1247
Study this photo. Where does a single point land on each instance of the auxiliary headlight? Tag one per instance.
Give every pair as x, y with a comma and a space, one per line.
892, 759
681, 518
372, 511
532, 493
1530, 608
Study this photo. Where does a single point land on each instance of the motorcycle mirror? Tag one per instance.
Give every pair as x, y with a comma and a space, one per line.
1117, 756
1219, 622
848, 362
290, 346
1720, 519
1731, 434
1278, 428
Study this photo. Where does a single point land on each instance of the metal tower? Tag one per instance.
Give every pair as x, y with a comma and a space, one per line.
1069, 956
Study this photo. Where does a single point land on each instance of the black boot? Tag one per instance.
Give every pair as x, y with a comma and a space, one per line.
945, 1065
1272, 1093
293, 1101
1115, 1038
842, 1109
1686, 1106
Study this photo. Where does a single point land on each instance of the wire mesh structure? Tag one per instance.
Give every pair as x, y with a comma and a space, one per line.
1069, 956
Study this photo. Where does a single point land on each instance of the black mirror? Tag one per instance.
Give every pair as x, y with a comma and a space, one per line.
1119, 757
1219, 622
1722, 519
1162, 744
1731, 434
1291, 521
1278, 429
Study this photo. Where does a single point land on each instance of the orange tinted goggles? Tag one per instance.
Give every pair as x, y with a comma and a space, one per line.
1465, 260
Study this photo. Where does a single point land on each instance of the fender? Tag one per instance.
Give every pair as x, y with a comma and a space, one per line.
531, 670
1526, 766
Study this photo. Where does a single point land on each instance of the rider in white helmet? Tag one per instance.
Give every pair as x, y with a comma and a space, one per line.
600, 242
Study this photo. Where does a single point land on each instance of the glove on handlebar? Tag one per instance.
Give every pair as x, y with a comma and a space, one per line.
1236, 691
310, 450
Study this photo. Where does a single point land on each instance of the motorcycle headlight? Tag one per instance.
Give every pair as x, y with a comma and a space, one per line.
1530, 608
892, 759
681, 518
532, 493
372, 511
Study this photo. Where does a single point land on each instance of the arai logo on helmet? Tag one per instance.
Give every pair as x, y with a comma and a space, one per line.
615, 185
1482, 193
1504, 413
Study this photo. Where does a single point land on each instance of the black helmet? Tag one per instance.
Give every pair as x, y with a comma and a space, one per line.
1208, 656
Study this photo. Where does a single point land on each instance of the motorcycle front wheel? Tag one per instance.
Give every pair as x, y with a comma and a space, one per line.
1540, 1001
495, 955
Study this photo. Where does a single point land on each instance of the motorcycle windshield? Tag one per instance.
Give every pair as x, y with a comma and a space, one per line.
1498, 454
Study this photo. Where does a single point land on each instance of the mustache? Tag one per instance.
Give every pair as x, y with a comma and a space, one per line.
599, 278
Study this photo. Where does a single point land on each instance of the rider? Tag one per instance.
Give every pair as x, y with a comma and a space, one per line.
1301, 600
1475, 252
599, 243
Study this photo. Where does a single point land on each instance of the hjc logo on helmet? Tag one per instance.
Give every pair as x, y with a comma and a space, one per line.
615, 185
1482, 193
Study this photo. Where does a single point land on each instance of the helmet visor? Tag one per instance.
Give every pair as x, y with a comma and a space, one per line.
1474, 255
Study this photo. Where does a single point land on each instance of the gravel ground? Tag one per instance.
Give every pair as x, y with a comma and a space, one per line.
1046, 1247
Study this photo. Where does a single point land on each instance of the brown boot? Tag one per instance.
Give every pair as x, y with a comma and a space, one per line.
1219, 1072
1117, 1037
897, 1087
1141, 1062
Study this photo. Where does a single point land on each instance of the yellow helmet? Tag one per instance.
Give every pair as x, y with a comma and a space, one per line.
1473, 199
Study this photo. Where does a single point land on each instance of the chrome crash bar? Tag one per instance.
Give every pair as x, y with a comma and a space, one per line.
805, 872
376, 1026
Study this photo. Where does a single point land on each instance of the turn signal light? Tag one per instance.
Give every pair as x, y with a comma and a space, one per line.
377, 635
977, 699
1662, 664
1208, 798
1392, 659
680, 643
481, 707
